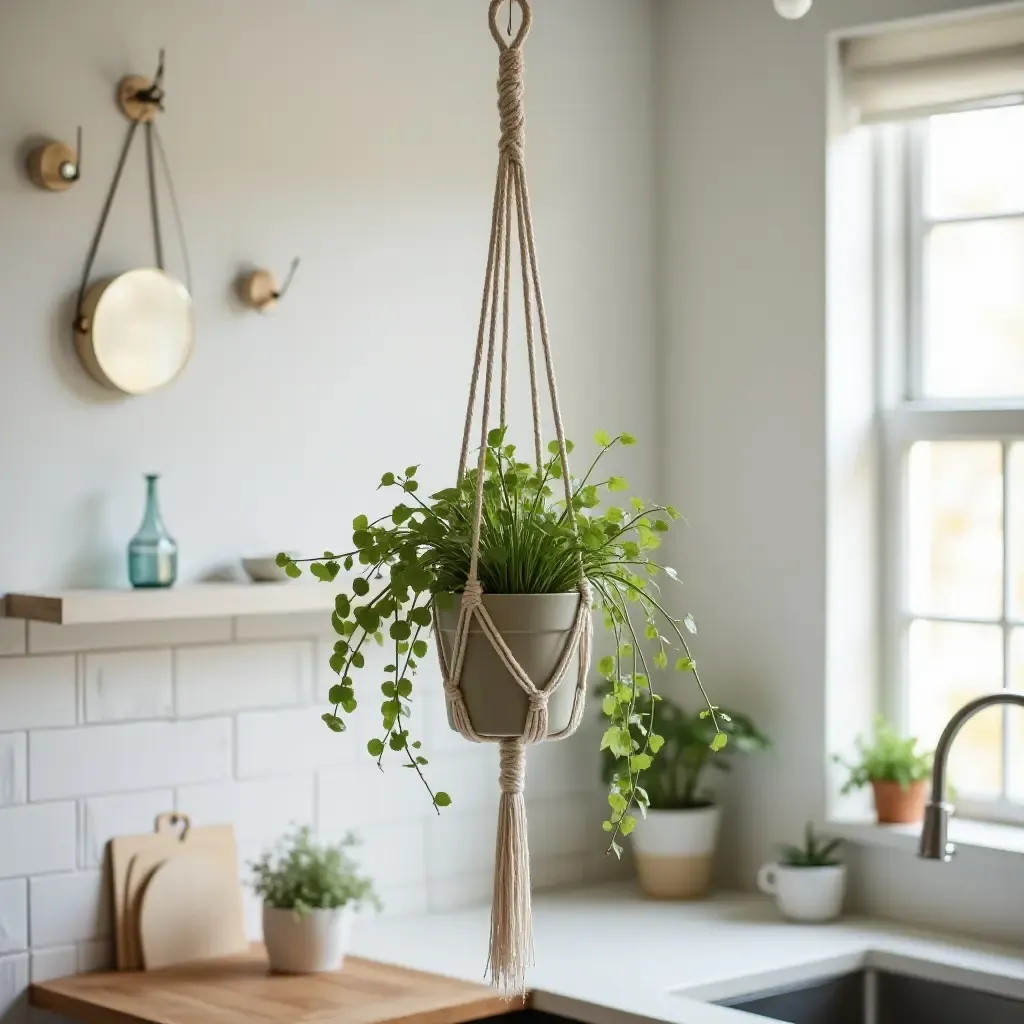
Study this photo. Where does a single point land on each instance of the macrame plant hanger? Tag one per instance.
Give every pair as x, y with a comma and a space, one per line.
511, 941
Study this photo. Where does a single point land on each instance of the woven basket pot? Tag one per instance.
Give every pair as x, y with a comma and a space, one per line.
537, 628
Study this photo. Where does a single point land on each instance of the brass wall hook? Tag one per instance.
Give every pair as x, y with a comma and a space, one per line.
260, 291
139, 98
54, 167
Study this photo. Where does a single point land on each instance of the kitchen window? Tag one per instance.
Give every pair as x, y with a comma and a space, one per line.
951, 315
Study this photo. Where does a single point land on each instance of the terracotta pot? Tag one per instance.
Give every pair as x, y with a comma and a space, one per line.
536, 628
675, 852
895, 805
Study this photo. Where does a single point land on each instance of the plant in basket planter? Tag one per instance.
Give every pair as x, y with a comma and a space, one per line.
808, 882
897, 771
310, 893
675, 843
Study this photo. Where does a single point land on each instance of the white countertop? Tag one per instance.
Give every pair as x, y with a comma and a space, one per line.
679, 954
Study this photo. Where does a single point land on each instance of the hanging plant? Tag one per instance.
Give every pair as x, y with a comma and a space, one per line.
418, 556
506, 568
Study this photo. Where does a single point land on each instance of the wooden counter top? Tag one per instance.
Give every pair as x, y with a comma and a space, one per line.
239, 990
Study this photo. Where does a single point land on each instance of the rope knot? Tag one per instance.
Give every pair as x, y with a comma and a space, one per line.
586, 594
510, 105
512, 762
472, 595
538, 700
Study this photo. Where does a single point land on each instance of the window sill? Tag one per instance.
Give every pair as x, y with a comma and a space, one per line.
966, 835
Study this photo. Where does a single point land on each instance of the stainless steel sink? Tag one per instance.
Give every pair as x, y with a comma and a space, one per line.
872, 996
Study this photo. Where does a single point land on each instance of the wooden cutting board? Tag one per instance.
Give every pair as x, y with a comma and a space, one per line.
134, 859
191, 909
240, 990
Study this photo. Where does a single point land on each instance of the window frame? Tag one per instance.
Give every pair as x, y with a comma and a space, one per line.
906, 417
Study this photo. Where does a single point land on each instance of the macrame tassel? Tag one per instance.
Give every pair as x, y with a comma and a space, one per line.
511, 916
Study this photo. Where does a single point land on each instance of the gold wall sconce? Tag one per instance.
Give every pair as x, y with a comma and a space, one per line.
259, 289
54, 166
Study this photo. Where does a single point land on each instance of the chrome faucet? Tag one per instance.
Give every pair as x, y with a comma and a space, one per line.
934, 843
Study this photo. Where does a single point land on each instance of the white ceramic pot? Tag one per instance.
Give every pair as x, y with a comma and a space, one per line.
317, 941
805, 894
675, 852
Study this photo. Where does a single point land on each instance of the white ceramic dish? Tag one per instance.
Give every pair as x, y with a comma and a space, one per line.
264, 569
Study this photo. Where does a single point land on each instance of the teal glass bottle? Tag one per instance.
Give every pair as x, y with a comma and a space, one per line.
152, 552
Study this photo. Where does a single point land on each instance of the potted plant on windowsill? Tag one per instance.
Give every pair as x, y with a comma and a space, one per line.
896, 770
676, 840
310, 894
808, 882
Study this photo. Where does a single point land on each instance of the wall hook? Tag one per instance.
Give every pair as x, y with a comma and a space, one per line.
139, 98
54, 167
260, 290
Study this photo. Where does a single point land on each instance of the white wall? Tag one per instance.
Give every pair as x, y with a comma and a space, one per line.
742, 118
362, 137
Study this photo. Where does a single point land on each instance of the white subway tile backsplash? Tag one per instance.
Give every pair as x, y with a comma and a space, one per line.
460, 842
44, 638
104, 817
563, 826
454, 892
37, 692
564, 768
127, 685
68, 908
36, 838
13, 915
13, 636
284, 627
13, 982
96, 955
13, 768
393, 854
294, 740
260, 810
120, 758
58, 962
553, 871
211, 680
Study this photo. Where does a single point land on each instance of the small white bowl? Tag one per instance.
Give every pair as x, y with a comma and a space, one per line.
264, 570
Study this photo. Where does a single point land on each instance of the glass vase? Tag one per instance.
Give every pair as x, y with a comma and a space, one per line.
152, 552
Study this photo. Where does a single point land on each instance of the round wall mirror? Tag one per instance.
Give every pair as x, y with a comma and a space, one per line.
136, 332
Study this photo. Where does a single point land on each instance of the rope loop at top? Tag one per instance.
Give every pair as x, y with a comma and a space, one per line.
524, 28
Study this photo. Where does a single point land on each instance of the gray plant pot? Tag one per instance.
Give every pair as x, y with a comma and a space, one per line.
536, 628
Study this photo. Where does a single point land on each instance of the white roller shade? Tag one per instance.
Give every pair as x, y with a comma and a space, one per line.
930, 68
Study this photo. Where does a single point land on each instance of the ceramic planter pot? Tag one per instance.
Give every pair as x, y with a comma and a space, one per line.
315, 942
806, 894
675, 852
537, 628
895, 805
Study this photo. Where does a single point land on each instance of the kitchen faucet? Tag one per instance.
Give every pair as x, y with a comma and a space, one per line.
934, 844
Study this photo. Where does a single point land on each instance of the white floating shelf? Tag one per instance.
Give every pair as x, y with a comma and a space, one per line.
195, 601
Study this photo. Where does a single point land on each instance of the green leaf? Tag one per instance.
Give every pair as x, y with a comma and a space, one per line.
606, 666
387, 480
627, 824
337, 693
685, 664
661, 660
388, 689
349, 705
360, 586
442, 799
627, 439
411, 470
342, 606
609, 705
495, 437
610, 737
719, 742
360, 523
607, 826
419, 648
334, 723
421, 616
282, 560
400, 630
337, 663
640, 762
661, 526
616, 801
358, 660
404, 687
655, 742
422, 760
397, 741
375, 747
292, 570
601, 439
617, 483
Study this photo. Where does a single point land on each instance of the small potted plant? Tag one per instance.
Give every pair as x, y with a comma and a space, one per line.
808, 882
675, 840
310, 893
895, 769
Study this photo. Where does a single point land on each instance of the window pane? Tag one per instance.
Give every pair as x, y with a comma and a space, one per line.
974, 310
1016, 539
951, 664
955, 529
1015, 721
975, 162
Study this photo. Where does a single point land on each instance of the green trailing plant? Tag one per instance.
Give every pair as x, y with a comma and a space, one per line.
816, 852
888, 757
417, 555
299, 874
673, 781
